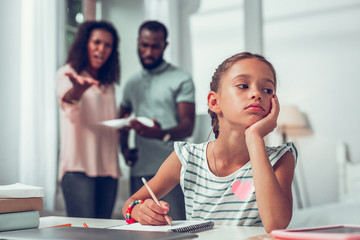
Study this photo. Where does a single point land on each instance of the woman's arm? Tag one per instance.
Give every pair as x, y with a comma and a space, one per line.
167, 177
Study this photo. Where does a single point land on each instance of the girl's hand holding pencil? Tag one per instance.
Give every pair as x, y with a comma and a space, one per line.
153, 212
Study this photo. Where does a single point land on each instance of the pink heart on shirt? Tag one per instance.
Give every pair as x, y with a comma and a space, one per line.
242, 190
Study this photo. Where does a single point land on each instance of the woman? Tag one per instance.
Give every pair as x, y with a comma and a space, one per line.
89, 167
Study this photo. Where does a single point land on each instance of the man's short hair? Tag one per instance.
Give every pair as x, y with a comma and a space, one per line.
154, 26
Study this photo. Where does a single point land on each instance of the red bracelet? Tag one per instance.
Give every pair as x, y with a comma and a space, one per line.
128, 212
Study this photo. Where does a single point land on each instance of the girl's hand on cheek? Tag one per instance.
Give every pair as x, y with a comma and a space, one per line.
266, 125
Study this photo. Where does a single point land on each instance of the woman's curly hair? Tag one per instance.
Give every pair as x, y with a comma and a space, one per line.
78, 59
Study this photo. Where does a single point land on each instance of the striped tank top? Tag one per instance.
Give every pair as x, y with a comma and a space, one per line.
226, 200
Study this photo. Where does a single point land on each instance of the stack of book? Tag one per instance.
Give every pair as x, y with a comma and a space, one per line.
20, 205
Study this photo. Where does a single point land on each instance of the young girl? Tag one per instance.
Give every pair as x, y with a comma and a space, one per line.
236, 179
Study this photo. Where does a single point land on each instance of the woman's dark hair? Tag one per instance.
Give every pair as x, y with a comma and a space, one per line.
78, 59
222, 68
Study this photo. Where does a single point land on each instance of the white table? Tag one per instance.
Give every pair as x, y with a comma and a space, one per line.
218, 233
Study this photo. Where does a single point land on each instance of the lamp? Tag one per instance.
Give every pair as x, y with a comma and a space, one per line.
292, 122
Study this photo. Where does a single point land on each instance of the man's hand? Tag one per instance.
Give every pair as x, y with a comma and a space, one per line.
130, 156
145, 131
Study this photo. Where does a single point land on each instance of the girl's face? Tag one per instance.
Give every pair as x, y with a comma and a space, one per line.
100, 46
245, 92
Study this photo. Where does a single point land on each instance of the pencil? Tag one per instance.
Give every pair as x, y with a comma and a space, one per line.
154, 198
62, 225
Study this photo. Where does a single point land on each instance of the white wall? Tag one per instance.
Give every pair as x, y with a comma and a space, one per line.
216, 33
9, 91
126, 16
315, 48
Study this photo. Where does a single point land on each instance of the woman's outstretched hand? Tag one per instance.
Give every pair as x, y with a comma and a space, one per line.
81, 83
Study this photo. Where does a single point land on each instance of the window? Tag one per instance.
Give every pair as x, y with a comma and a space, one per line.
74, 17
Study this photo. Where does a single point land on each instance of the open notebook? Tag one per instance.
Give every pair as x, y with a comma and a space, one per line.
176, 226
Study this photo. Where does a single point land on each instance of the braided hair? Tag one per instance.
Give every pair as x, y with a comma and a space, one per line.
222, 68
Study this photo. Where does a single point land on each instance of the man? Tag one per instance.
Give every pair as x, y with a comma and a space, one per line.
166, 94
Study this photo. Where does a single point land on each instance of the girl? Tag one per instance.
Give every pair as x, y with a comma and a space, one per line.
236, 179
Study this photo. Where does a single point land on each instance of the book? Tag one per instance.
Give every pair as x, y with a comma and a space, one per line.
19, 190
19, 220
8, 205
176, 226
338, 232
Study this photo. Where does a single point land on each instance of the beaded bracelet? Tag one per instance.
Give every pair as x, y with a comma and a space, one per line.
128, 212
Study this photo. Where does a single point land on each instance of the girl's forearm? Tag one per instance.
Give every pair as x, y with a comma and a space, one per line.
274, 206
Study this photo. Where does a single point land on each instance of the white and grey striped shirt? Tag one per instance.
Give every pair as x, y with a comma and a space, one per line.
226, 200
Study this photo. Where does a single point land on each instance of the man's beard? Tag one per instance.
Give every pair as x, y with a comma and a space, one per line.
152, 65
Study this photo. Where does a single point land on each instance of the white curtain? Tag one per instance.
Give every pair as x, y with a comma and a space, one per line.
38, 112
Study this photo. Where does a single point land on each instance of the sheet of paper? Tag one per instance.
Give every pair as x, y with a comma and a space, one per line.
117, 123
125, 122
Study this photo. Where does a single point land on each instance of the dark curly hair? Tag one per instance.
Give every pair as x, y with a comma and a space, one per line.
109, 73
222, 68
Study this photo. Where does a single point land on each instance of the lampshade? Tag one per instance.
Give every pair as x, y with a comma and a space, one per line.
292, 122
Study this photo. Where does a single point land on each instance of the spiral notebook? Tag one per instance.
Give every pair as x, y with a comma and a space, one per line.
176, 226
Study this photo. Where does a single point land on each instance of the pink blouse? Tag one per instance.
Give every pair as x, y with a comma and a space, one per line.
85, 145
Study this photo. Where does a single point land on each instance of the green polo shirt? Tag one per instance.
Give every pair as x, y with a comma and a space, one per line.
155, 94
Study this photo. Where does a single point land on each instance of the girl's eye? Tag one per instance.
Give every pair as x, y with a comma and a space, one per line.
268, 90
243, 86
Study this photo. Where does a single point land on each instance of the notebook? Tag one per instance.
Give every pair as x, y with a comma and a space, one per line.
176, 226
81, 233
